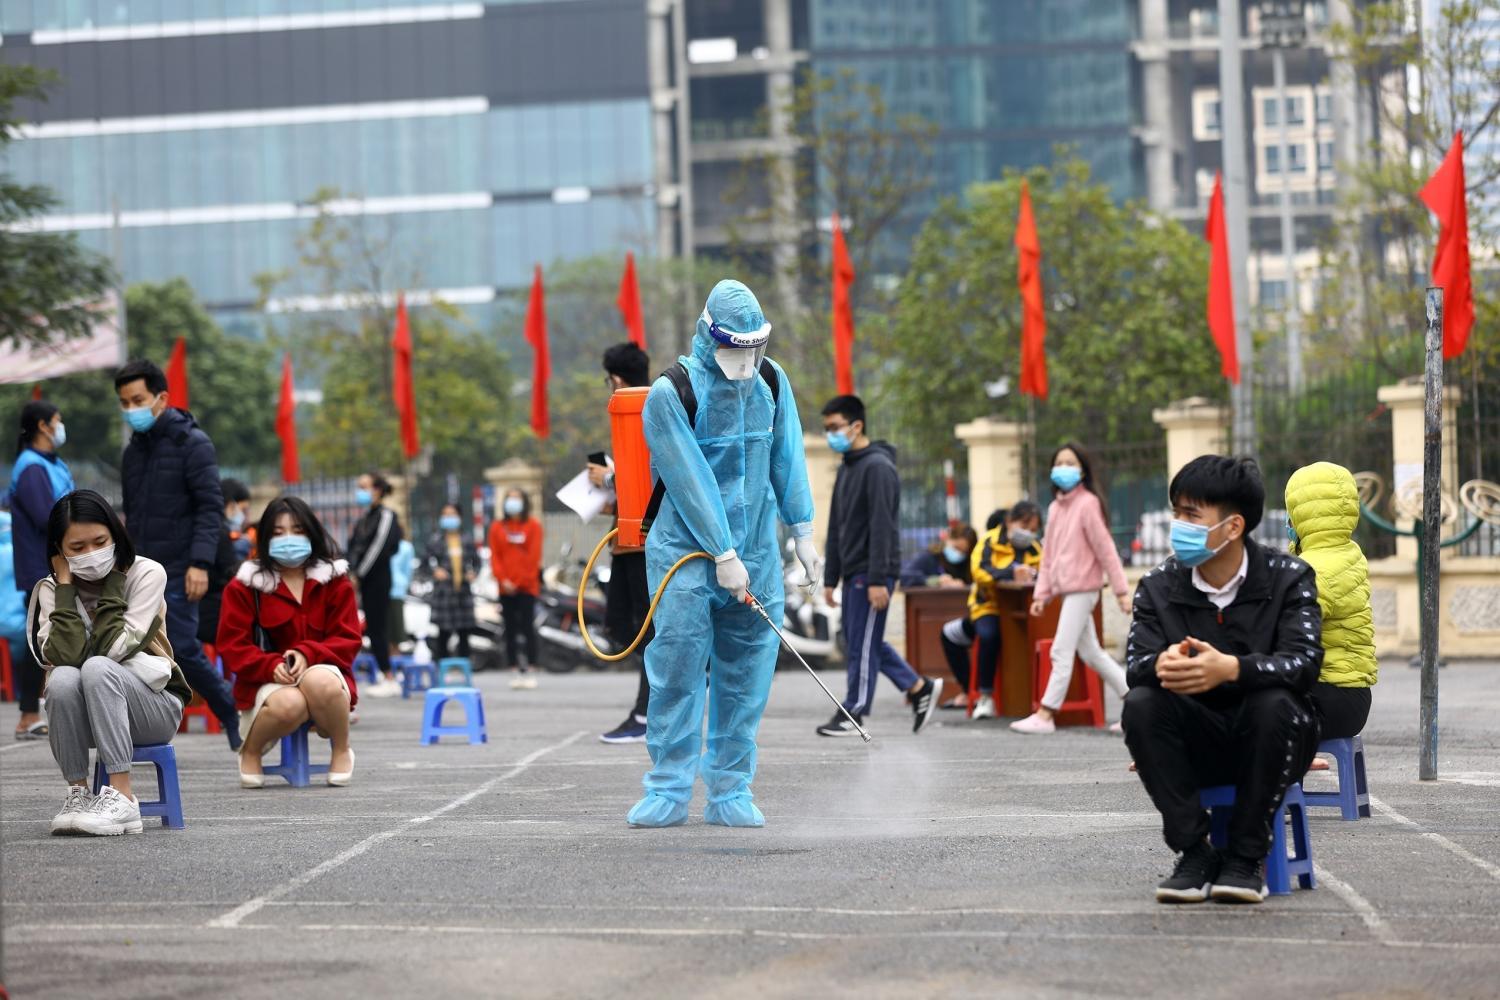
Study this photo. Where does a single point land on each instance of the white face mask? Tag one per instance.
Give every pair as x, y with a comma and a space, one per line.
93, 565
737, 363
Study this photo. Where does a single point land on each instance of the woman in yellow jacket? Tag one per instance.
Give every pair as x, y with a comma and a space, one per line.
1322, 508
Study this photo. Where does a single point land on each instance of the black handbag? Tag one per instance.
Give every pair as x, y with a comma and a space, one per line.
258, 634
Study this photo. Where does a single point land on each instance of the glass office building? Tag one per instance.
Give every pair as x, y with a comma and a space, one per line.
188, 137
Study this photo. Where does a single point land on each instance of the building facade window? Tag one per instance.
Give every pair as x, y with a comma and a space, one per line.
1325, 157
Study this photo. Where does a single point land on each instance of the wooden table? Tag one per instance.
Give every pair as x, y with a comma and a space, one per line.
929, 608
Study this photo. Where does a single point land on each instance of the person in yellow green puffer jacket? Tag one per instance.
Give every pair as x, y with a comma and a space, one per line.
1322, 508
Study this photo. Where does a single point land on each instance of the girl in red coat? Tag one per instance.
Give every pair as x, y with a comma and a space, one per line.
516, 560
299, 667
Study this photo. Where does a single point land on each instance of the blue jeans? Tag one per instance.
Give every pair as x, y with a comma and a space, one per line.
182, 632
868, 652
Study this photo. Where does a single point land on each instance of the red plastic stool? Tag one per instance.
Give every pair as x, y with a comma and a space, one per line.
198, 707
1085, 695
7, 673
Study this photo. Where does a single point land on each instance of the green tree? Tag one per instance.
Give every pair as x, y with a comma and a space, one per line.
233, 393
47, 280
1125, 328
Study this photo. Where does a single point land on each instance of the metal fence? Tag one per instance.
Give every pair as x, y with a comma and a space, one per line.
1477, 432
924, 502
1132, 477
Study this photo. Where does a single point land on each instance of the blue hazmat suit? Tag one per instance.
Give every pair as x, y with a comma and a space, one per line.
728, 477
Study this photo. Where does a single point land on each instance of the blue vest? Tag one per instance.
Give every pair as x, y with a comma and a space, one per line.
57, 472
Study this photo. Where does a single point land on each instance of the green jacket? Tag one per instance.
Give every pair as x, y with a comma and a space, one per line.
1323, 506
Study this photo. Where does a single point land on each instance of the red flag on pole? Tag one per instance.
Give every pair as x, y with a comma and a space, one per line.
286, 424
1444, 195
629, 301
177, 382
1033, 310
1220, 294
36, 391
541, 365
843, 312
404, 391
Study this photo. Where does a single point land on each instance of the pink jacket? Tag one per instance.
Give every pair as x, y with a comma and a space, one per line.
1079, 551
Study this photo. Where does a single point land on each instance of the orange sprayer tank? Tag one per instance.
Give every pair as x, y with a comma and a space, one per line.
632, 461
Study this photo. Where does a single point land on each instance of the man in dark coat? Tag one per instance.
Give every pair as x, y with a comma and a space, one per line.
174, 512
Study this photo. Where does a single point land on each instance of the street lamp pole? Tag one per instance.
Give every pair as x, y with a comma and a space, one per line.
1237, 217
1283, 25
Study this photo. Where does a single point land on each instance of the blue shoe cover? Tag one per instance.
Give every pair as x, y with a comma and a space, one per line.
658, 810
737, 810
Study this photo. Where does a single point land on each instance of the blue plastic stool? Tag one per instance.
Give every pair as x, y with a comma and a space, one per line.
448, 663
1353, 797
418, 677
1279, 868
296, 767
365, 665
169, 806
432, 714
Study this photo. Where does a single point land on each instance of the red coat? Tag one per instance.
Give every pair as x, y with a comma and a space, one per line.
516, 553
324, 627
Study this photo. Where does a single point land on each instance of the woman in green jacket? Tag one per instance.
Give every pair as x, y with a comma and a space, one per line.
1322, 506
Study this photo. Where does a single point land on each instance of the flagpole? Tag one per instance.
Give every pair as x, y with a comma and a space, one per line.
1237, 216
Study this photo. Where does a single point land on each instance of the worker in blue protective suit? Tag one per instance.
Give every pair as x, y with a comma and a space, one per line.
728, 475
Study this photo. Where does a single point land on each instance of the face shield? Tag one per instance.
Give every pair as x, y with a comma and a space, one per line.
738, 354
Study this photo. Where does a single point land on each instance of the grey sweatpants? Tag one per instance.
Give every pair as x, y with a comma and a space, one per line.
104, 705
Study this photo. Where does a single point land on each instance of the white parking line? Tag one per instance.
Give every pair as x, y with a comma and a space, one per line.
235, 916
1359, 904
1489, 867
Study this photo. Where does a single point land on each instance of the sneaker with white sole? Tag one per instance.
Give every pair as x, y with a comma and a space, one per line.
984, 708
109, 815
78, 802
924, 701
632, 730
1240, 880
839, 725
1194, 876
1034, 725
382, 689
523, 682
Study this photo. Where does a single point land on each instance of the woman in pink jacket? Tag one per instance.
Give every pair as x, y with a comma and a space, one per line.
1080, 553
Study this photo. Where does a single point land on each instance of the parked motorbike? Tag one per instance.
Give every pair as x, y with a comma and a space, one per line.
560, 647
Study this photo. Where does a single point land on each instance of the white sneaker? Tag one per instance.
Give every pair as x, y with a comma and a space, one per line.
1034, 725
383, 689
523, 682
78, 801
984, 708
110, 815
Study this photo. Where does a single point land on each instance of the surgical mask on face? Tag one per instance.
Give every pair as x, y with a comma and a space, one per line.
290, 550
236, 520
93, 565
363, 497
59, 435
1190, 542
139, 418
449, 522
1021, 539
513, 506
737, 363
1065, 477
953, 555
840, 441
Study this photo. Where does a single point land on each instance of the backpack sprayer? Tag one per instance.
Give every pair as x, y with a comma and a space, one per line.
636, 505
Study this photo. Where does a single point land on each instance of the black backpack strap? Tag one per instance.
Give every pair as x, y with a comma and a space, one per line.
773, 381
678, 376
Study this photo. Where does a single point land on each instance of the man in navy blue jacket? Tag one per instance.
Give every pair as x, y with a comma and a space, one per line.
174, 512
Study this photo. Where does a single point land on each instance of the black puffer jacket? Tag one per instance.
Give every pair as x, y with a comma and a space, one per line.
1274, 624
174, 510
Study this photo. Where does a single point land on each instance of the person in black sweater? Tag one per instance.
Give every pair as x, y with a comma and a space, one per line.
864, 554
376, 536
1224, 646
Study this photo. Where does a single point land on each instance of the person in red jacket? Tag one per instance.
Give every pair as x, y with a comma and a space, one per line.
289, 631
516, 560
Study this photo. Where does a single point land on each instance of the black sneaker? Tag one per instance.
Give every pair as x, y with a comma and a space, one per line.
924, 702
1194, 877
632, 730
1240, 880
839, 726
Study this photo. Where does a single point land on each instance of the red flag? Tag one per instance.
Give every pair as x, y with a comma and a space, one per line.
405, 393
1220, 293
629, 301
541, 365
843, 312
1033, 312
1444, 195
177, 382
36, 391
286, 424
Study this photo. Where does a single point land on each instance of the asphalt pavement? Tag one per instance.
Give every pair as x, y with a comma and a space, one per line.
964, 861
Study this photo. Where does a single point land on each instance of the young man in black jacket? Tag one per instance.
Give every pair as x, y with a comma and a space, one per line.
375, 538
864, 553
1225, 644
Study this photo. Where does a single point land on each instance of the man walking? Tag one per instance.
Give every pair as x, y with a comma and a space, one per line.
174, 513
864, 553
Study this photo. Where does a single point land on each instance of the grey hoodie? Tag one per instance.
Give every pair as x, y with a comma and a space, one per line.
863, 536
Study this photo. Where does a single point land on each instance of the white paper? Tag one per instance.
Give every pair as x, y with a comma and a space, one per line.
583, 497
